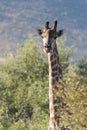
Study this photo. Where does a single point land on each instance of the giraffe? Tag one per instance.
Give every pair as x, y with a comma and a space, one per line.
49, 35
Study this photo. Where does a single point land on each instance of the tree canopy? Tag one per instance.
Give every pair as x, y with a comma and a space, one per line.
24, 101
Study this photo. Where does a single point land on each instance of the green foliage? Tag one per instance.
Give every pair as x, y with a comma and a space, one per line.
64, 52
82, 67
23, 84
76, 92
24, 90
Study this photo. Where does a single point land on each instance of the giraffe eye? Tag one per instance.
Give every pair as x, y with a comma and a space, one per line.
42, 36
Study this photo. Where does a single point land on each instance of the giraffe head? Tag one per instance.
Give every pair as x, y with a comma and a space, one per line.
49, 35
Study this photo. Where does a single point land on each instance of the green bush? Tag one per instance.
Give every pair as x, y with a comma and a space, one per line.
24, 101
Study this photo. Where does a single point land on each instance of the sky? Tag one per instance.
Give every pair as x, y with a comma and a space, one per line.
20, 18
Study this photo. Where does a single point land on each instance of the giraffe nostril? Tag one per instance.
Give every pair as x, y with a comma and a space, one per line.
45, 46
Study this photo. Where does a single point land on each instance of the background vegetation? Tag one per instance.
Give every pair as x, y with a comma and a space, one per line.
24, 89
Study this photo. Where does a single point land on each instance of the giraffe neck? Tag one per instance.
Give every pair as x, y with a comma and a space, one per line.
55, 70
55, 73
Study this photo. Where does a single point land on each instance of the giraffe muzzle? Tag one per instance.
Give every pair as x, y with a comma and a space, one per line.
47, 48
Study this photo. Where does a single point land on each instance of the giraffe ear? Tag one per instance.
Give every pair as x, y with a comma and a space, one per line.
60, 32
39, 31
